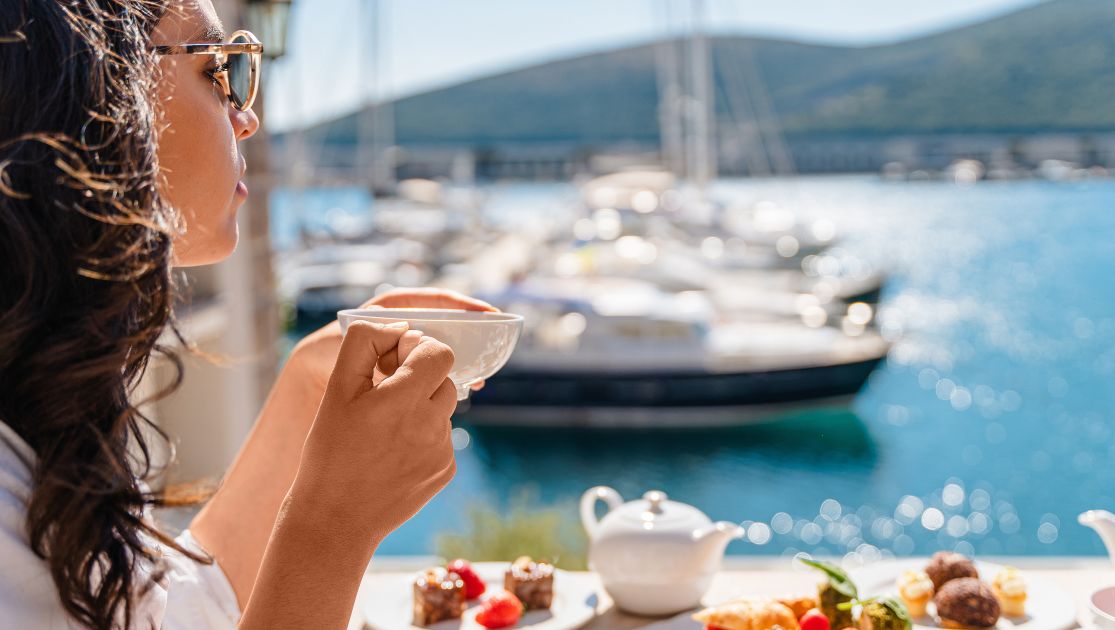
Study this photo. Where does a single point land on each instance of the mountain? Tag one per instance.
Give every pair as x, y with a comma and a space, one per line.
1050, 67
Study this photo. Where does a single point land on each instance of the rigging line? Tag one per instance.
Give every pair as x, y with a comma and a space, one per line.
769, 124
669, 91
742, 114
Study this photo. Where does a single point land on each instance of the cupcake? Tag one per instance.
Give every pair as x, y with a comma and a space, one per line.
966, 603
1010, 589
916, 589
946, 565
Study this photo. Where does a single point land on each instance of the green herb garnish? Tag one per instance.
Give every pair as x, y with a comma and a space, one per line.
855, 602
898, 607
892, 604
837, 577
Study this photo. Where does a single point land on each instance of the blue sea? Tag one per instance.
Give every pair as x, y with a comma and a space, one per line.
988, 430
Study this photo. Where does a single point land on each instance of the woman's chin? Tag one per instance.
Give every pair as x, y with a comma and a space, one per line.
212, 252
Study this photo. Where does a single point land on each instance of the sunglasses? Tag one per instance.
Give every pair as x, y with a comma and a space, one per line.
238, 62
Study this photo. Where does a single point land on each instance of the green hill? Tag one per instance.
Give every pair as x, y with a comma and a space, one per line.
1045, 68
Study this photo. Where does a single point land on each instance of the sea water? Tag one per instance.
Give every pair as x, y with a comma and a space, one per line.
989, 428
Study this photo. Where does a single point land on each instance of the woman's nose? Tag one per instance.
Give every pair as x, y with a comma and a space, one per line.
245, 124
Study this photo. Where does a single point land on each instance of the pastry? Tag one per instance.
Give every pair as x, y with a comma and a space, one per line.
916, 589
438, 595
966, 603
1010, 590
946, 565
532, 582
749, 614
798, 605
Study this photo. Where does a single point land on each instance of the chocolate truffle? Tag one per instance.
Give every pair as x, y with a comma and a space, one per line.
946, 565
967, 603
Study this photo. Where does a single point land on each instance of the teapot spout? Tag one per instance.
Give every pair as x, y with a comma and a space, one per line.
1104, 523
714, 538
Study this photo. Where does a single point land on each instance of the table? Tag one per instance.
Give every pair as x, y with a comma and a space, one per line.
765, 577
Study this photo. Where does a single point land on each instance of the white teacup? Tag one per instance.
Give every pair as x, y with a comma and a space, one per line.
482, 341
1101, 606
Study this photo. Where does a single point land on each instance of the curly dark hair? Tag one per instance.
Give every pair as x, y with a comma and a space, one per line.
87, 289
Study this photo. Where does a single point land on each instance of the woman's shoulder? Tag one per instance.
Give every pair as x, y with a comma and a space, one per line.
27, 595
189, 595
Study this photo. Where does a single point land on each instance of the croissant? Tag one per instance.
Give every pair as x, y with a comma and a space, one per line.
749, 614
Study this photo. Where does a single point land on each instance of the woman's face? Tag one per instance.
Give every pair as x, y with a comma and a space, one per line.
199, 130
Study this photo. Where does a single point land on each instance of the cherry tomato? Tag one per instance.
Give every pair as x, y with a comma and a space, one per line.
814, 620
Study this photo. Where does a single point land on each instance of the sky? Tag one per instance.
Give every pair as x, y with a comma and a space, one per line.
423, 44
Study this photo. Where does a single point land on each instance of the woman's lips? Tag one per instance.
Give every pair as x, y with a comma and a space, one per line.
241, 189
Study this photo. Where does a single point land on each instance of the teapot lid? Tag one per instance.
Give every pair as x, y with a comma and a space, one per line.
655, 512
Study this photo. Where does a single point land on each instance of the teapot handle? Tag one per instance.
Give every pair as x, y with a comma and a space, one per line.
588, 506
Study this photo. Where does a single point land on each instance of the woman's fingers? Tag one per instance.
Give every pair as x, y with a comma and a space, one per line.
389, 362
427, 365
363, 345
430, 298
445, 395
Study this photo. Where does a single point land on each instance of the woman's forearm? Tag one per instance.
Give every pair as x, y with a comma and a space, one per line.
311, 571
236, 524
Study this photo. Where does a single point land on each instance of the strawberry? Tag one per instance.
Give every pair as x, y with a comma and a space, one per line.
500, 610
474, 586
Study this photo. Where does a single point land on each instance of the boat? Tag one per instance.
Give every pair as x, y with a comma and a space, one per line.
631, 355
406, 239
760, 235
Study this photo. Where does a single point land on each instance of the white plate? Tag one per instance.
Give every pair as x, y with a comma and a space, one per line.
1048, 607
391, 607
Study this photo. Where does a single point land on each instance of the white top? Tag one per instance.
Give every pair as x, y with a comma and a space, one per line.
191, 595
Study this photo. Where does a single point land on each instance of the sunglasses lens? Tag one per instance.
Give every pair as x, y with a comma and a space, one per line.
240, 74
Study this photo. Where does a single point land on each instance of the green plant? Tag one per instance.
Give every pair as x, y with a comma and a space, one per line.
550, 533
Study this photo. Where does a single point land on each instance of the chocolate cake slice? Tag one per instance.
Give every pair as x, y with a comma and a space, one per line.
438, 595
532, 582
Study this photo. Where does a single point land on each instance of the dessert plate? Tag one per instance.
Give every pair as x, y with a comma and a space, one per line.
391, 606
1048, 607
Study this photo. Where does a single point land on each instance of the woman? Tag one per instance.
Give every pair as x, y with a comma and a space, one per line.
119, 124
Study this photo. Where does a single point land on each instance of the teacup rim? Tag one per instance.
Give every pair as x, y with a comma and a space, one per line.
490, 317
1110, 616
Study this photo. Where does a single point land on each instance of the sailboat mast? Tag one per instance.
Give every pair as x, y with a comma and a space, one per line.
702, 160
365, 116
670, 97
383, 125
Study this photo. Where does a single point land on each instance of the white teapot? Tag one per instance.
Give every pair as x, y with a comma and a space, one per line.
654, 556
1104, 523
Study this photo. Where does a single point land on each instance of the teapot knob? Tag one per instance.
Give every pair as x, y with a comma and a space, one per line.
656, 498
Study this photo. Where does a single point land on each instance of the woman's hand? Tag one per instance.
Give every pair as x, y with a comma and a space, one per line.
237, 524
377, 452
380, 448
314, 356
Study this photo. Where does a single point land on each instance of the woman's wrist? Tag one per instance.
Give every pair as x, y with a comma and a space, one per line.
312, 569
315, 502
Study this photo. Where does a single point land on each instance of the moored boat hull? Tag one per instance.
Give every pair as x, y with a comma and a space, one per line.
662, 400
